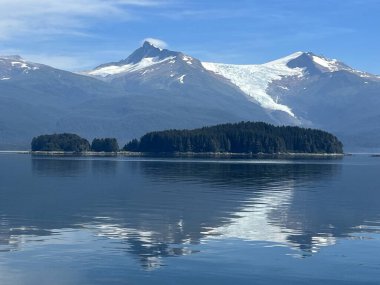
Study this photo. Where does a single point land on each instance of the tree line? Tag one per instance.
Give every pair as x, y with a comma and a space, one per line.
73, 143
243, 137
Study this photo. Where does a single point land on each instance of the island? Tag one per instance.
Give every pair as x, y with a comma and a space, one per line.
67, 142
240, 138
244, 138
60, 142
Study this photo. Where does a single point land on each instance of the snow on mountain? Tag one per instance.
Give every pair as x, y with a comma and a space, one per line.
15, 65
149, 55
254, 80
118, 69
155, 88
18, 62
290, 90
329, 64
333, 65
181, 78
317, 64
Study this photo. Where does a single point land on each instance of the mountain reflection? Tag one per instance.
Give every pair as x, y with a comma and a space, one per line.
155, 209
266, 195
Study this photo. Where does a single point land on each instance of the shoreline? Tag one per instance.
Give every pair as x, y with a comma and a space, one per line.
180, 154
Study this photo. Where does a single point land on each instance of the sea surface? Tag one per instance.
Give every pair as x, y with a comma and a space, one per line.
117, 220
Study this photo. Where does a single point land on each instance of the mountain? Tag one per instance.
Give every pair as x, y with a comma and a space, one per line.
166, 89
155, 89
339, 99
35, 99
303, 88
320, 92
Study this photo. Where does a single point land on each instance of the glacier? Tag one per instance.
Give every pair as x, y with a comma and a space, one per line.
254, 79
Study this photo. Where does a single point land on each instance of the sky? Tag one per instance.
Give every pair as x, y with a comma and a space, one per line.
81, 34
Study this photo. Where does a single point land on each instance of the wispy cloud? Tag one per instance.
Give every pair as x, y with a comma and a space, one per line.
51, 17
156, 42
78, 34
73, 61
204, 14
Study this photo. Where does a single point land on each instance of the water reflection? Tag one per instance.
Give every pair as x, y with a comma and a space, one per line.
239, 173
62, 167
263, 213
72, 166
158, 209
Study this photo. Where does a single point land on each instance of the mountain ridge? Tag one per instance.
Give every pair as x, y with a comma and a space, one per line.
155, 88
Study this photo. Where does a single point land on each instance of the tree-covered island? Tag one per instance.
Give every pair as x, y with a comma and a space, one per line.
60, 142
239, 138
243, 137
72, 143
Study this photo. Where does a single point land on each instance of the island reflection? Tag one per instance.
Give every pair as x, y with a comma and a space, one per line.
156, 209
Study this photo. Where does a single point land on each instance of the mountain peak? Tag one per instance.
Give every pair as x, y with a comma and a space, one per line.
150, 44
150, 50
12, 66
147, 45
160, 44
316, 64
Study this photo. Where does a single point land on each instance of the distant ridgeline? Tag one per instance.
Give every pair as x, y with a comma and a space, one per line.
72, 143
243, 137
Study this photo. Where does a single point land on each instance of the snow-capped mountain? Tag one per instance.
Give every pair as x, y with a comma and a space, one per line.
14, 66
146, 63
151, 70
315, 64
156, 88
303, 89
255, 80
153, 89
318, 91
36, 98
334, 97
45, 83
146, 56
168, 89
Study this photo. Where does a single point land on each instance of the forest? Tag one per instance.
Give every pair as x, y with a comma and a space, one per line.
73, 143
243, 137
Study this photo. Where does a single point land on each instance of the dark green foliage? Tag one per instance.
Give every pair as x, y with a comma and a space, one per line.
60, 142
133, 145
243, 137
106, 145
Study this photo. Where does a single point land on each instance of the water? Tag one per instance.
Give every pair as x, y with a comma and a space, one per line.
95, 221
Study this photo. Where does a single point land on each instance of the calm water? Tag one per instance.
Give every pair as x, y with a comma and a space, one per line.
67, 221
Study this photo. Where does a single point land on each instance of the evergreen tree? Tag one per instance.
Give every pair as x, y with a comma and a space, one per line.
243, 137
105, 145
60, 142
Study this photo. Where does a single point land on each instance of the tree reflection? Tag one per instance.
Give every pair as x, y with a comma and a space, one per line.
157, 209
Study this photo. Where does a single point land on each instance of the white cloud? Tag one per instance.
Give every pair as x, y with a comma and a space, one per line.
156, 42
74, 63
206, 14
52, 17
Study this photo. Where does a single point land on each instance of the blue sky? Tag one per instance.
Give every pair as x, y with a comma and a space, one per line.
80, 34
